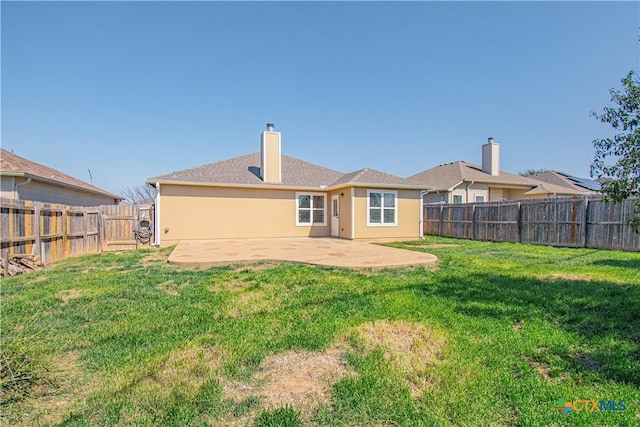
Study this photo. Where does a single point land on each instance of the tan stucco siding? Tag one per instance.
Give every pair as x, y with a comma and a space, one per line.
51, 193
217, 212
514, 193
407, 220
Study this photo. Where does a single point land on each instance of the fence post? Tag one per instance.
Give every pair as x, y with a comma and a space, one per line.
473, 221
440, 225
37, 244
5, 257
85, 226
585, 222
65, 253
519, 222
100, 227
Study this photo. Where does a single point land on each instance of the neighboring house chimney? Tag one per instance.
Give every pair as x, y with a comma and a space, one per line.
270, 164
491, 158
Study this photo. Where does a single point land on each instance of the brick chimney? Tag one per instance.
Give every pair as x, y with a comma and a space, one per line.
491, 158
270, 163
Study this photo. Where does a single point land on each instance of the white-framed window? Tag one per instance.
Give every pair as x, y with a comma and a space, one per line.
382, 208
479, 199
311, 209
457, 198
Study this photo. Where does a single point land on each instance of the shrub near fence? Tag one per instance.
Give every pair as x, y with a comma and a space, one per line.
563, 221
56, 231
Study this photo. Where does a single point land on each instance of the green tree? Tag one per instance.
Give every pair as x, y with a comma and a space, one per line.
617, 159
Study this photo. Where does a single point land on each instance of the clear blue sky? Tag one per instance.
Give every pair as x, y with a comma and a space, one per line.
133, 90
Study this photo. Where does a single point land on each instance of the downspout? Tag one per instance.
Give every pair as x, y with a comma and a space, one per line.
156, 219
421, 229
469, 184
20, 184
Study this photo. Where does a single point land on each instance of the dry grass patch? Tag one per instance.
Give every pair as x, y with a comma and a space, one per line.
540, 368
572, 277
233, 285
440, 246
303, 380
411, 348
190, 367
154, 257
51, 399
69, 294
171, 288
253, 301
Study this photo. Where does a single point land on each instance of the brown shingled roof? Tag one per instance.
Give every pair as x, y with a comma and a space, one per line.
245, 170
449, 175
12, 164
372, 176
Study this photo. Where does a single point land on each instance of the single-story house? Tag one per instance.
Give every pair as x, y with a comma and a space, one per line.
462, 182
268, 194
583, 185
23, 179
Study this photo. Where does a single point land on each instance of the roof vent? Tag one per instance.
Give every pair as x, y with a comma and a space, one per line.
270, 127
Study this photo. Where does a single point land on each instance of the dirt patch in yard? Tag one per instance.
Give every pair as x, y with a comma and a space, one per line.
67, 295
301, 379
411, 348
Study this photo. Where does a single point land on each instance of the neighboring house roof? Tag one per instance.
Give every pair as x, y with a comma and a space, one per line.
449, 175
565, 180
245, 171
13, 165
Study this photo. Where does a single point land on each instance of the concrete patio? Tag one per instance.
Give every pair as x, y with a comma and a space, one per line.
318, 251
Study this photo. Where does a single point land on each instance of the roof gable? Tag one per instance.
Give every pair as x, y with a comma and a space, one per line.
375, 177
245, 170
11, 163
449, 175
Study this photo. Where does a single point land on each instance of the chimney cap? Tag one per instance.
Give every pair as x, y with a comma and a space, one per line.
270, 127
490, 140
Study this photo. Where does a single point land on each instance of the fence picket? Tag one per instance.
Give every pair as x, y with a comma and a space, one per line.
57, 232
587, 222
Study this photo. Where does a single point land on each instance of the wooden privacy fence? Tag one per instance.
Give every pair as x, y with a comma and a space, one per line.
587, 222
57, 232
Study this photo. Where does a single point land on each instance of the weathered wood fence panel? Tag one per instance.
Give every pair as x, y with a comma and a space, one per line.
457, 221
608, 228
56, 232
563, 221
497, 222
119, 227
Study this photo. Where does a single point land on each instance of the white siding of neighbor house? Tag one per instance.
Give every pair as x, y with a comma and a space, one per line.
7, 187
50, 193
469, 195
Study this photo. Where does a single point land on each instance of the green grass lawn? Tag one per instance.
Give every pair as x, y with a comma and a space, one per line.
495, 335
